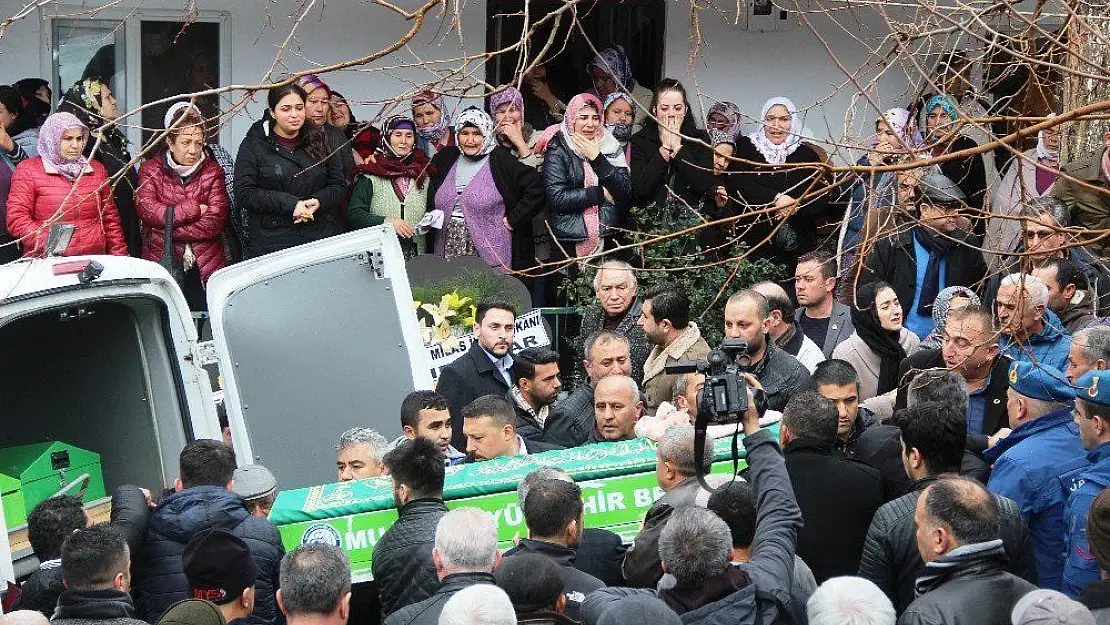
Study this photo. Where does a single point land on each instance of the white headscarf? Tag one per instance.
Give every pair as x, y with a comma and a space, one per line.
174, 109
1042, 147
776, 154
473, 116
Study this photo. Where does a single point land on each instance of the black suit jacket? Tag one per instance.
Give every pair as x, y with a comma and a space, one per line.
468, 378
994, 417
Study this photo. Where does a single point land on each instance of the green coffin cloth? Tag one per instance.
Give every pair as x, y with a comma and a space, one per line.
589, 462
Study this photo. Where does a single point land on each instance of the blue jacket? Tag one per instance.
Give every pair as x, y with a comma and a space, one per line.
1027, 466
1049, 346
1080, 567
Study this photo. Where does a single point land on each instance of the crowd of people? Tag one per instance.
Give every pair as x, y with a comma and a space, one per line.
944, 431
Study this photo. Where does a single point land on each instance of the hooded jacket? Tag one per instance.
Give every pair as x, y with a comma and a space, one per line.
1049, 346
1028, 465
159, 574
1080, 566
270, 180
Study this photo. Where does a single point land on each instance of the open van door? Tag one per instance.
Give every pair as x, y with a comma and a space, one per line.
311, 341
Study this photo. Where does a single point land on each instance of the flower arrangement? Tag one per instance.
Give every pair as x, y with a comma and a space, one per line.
444, 322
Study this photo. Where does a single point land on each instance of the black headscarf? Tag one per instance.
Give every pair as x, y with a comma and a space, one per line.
881, 341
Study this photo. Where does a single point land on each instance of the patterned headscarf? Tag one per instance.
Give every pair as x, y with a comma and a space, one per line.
719, 137
1042, 147
944, 101
622, 132
477, 118
312, 82
941, 305
433, 132
776, 154
85, 101
50, 144
511, 95
901, 124
614, 61
732, 113
397, 122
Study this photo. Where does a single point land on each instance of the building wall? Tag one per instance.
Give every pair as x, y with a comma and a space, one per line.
734, 63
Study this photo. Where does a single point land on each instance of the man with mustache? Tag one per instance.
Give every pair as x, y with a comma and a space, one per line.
484, 368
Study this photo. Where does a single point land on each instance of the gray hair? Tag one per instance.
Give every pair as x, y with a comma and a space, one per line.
314, 578
1033, 286
535, 477
678, 447
940, 386
357, 436
1048, 206
614, 265
1093, 343
604, 337
696, 544
850, 601
480, 604
466, 539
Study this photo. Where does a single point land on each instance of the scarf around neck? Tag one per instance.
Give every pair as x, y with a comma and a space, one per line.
884, 343
985, 554
184, 171
386, 164
938, 247
772, 153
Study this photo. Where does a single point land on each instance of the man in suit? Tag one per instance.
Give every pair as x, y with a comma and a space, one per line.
484, 368
819, 316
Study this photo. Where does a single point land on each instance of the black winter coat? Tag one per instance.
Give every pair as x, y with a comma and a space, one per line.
979, 592
758, 185
270, 180
600, 554
517, 184
427, 611
469, 377
890, 557
881, 448
689, 172
564, 182
838, 497
576, 584
994, 417
402, 565
970, 174
639, 347
894, 261
40, 591
159, 575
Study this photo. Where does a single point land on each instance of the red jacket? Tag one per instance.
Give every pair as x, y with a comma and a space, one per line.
36, 201
159, 187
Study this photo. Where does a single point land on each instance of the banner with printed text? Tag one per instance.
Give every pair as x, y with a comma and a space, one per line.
530, 332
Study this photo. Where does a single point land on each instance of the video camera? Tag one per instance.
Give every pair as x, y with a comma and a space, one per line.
724, 399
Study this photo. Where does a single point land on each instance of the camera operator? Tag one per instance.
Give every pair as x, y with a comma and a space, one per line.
748, 317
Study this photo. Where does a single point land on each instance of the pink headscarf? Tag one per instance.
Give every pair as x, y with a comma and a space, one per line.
50, 144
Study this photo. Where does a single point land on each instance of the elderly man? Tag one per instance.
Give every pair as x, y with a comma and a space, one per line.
1091, 206
933, 255
784, 331
360, 454
965, 579
315, 585
748, 317
489, 423
465, 554
1092, 415
820, 317
617, 310
1090, 351
1030, 331
1028, 464
676, 474
606, 354
617, 408
665, 319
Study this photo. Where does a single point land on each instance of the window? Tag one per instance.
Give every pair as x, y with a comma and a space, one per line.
90, 48
178, 58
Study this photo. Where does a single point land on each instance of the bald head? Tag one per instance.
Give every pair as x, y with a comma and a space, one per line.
954, 512
617, 407
24, 617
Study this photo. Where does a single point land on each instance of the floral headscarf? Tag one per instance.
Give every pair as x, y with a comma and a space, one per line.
481, 120
776, 154
433, 132
944, 101
85, 101
622, 132
901, 124
397, 122
614, 61
510, 95
732, 113
720, 137
50, 144
312, 82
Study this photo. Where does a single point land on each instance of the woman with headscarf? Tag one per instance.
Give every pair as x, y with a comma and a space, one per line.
773, 178
287, 179
341, 116
611, 71
671, 168
717, 200
949, 299
62, 185
620, 118
879, 343
185, 175
486, 196
392, 187
969, 172
585, 178
724, 117
506, 107
433, 126
1029, 176
92, 102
